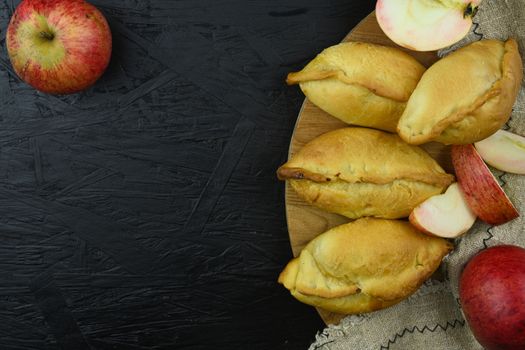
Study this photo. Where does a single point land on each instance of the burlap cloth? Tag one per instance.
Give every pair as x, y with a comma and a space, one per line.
432, 317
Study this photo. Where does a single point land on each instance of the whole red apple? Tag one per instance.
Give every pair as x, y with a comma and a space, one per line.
492, 295
58, 46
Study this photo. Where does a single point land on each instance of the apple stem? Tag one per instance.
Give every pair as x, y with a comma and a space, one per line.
470, 11
47, 35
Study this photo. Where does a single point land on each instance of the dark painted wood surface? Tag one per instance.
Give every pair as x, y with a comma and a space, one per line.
145, 213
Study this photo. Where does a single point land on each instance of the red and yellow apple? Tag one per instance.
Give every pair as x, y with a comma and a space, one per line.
446, 215
59, 46
483, 193
492, 295
426, 25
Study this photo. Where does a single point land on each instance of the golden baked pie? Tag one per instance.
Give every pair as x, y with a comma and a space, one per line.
366, 265
360, 83
466, 96
359, 172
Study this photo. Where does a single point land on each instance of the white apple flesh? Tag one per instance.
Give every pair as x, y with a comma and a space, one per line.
426, 25
482, 191
447, 215
504, 151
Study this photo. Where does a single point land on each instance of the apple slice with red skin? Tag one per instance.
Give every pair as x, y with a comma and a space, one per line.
426, 25
504, 151
482, 191
446, 215
492, 296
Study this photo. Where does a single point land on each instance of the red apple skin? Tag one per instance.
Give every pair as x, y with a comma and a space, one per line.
492, 295
482, 191
73, 59
414, 222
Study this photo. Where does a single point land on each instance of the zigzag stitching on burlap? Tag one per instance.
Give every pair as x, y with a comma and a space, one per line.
323, 345
503, 181
489, 230
476, 27
422, 330
507, 124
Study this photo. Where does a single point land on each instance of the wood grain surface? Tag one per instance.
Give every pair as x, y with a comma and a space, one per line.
304, 221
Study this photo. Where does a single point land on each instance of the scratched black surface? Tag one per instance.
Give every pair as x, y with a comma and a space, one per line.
144, 213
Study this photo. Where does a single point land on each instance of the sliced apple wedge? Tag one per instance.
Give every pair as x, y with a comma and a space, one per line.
426, 25
504, 151
482, 191
447, 215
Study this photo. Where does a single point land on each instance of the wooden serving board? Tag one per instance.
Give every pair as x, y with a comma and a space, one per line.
304, 221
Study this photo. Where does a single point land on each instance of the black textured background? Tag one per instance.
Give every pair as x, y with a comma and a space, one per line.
145, 213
